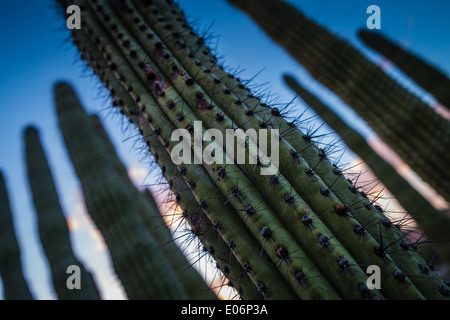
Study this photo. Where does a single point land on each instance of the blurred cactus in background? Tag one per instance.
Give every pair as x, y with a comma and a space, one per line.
304, 231
15, 286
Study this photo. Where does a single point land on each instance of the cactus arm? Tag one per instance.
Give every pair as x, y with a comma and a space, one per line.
201, 225
14, 284
52, 225
120, 167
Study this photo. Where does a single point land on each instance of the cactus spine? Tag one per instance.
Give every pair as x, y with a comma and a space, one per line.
433, 222
52, 225
15, 286
401, 119
290, 233
425, 75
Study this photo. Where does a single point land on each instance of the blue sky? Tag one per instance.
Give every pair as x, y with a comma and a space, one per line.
34, 54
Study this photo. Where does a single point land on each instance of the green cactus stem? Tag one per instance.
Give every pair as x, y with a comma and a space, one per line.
434, 223
256, 263
289, 232
152, 218
15, 286
422, 72
401, 119
52, 225
136, 256
225, 189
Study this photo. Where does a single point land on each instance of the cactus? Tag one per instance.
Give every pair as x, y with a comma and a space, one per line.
15, 286
434, 223
425, 75
291, 233
152, 219
408, 125
52, 225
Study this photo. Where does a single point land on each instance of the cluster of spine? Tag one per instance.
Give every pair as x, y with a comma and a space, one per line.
402, 120
303, 233
434, 223
427, 76
52, 225
15, 286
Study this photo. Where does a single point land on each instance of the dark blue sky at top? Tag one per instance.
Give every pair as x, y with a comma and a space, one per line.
34, 54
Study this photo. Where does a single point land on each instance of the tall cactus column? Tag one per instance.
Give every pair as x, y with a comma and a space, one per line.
52, 225
423, 73
303, 232
14, 284
136, 256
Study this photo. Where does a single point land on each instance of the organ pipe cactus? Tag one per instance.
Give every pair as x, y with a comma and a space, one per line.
435, 223
402, 120
300, 233
423, 73
52, 225
15, 286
